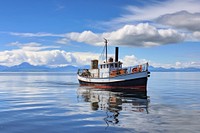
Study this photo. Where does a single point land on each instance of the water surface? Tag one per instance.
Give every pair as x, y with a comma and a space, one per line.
55, 103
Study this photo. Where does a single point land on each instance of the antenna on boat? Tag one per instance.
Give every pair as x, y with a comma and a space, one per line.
106, 43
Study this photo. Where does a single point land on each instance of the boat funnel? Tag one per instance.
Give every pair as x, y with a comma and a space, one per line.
116, 53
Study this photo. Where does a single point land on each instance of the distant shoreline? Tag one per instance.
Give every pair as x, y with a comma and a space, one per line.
76, 72
26, 67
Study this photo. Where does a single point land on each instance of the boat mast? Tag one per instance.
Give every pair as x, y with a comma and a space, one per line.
106, 42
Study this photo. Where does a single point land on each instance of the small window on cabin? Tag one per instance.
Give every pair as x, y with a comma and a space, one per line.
116, 65
101, 66
107, 65
104, 66
111, 65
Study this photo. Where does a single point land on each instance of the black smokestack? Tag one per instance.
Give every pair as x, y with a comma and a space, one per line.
116, 54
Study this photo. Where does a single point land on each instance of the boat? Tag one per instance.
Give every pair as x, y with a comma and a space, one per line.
111, 74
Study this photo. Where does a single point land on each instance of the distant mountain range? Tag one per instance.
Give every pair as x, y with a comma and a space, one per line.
26, 67
160, 69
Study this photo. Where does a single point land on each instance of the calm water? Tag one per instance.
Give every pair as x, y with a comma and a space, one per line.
54, 103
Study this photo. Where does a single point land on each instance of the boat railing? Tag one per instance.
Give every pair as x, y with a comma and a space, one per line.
138, 68
117, 72
129, 70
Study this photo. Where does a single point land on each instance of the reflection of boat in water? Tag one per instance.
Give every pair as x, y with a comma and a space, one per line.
111, 74
113, 101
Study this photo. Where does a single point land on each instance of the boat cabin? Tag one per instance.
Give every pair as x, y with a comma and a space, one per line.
104, 70
108, 68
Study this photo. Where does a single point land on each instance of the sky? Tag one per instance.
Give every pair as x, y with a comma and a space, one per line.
165, 33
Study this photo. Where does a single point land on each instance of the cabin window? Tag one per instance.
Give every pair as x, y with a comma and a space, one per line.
116, 65
107, 65
111, 65
101, 66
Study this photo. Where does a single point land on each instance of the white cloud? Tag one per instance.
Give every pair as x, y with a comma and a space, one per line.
54, 58
180, 14
31, 46
187, 64
144, 35
57, 58
196, 35
140, 35
40, 34
46, 57
184, 15
86, 37
51, 57
181, 20
132, 60
84, 58
63, 41
177, 64
154, 10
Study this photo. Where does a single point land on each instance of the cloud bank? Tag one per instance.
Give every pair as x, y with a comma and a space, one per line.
54, 58
144, 35
140, 35
165, 22
36, 54
181, 20
154, 10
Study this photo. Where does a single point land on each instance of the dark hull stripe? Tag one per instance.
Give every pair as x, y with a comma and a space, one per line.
139, 83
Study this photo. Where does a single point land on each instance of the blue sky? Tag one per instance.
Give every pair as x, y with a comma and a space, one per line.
70, 32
